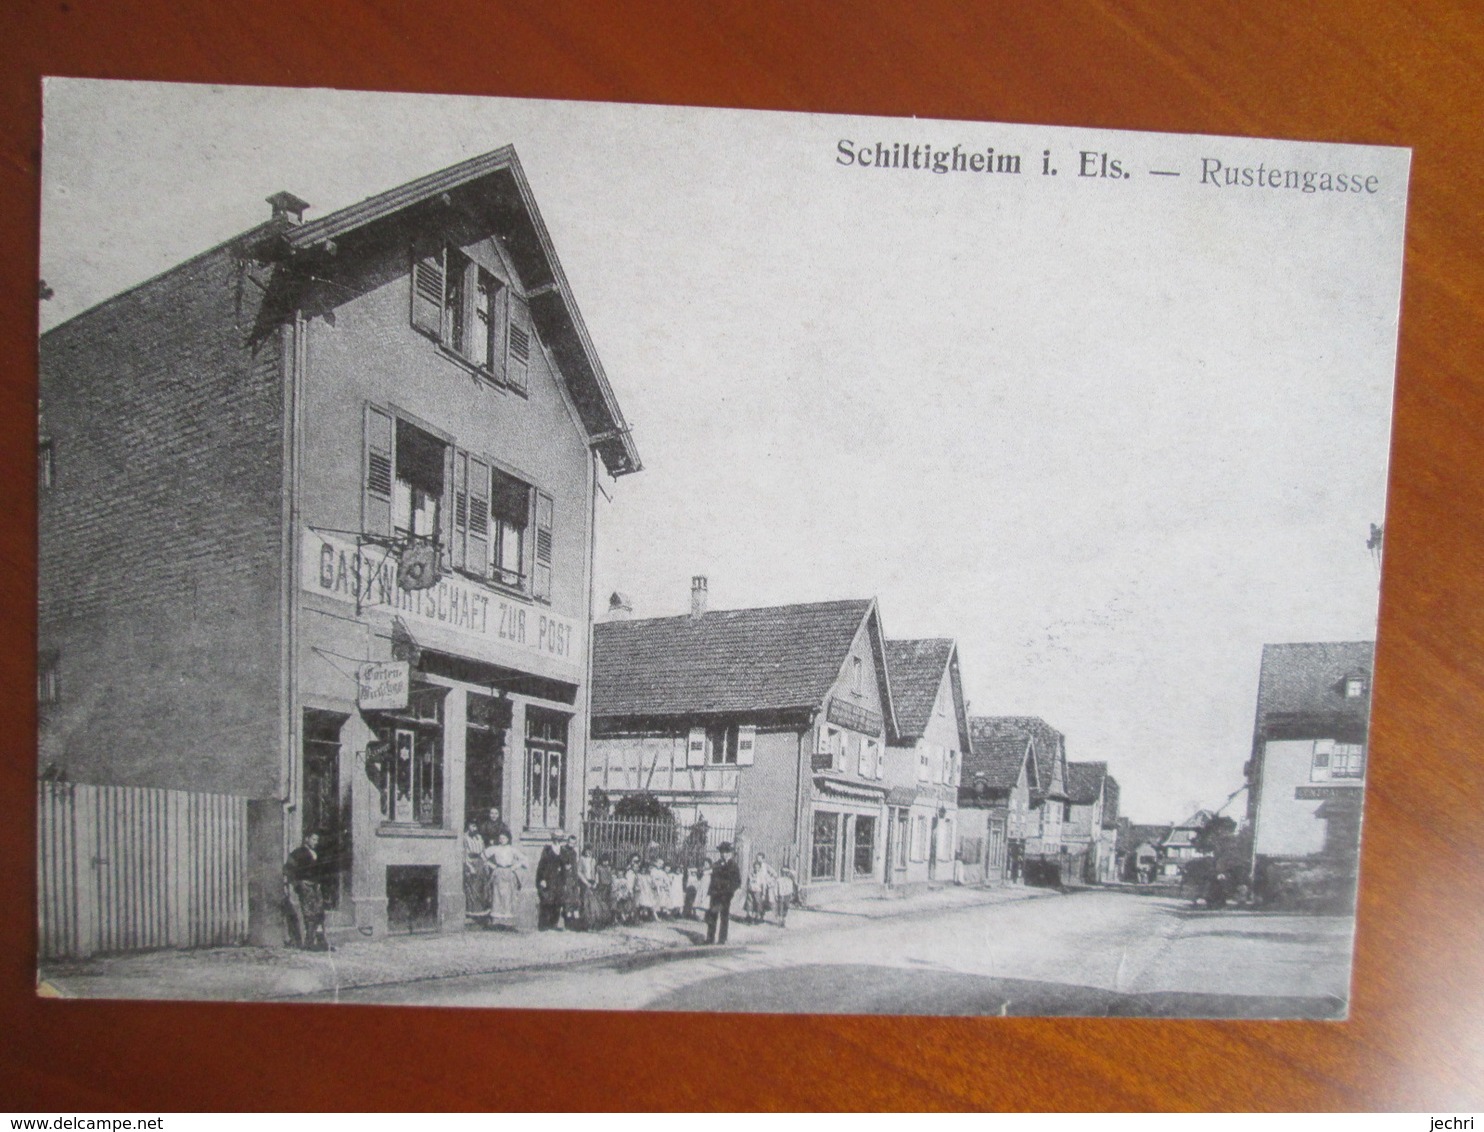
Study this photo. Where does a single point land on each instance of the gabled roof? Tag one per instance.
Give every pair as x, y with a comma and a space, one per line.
493, 185
1049, 749
1085, 782
1301, 691
917, 669
996, 753
734, 661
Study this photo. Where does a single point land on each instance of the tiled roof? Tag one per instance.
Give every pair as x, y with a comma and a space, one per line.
1153, 834
734, 660
1085, 782
1301, 690
996, 753
1050, 746
916, 669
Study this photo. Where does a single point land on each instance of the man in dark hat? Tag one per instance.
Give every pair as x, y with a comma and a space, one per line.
726, 878
550, 884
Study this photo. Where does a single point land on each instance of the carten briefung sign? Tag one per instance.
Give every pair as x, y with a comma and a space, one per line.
381, 685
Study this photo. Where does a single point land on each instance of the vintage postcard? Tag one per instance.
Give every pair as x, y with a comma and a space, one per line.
552, 554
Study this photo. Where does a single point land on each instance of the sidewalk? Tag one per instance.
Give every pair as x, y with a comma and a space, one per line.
246, 974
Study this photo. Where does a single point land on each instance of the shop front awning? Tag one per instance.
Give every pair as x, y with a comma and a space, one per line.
841, 787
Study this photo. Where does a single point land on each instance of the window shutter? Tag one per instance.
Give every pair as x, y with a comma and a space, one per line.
460, 510
822, 740
854, 760
427, 290
695, 747
746, 741
519, 343
378, 472
478, 554
541, 579
445, 533
880, 749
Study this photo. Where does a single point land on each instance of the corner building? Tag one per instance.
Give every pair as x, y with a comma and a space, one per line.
369, 437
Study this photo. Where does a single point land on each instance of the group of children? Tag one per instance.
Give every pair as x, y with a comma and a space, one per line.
769, 890
643, 893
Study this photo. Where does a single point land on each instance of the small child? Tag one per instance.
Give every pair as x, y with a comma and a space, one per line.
787, 889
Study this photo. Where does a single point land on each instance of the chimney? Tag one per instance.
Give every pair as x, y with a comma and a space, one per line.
286, 206
697, 597
620, 607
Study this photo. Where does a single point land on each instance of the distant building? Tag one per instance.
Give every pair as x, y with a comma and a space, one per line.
1089, 833
1179, 846
995, 794
924, 761
1306, 777
1044, 856
770, 723
1139, 846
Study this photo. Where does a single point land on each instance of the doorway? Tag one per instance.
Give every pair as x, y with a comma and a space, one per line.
322, 810
484, 755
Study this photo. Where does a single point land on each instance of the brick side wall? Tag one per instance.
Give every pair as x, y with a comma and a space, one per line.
160, 539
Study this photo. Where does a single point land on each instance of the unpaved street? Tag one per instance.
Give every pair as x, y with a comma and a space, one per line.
1090, 953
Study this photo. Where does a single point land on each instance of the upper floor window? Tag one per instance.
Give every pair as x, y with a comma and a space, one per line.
510, 515
1337, 760
417, 492
721, 745
471, 312
492, 525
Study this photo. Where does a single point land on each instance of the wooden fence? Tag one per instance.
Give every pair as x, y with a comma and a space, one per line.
124, 868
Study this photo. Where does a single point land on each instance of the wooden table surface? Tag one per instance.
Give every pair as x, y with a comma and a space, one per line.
1394, 74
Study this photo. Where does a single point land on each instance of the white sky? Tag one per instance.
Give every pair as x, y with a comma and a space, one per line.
1113, 435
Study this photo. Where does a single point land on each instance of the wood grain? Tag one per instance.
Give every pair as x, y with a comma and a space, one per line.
1402, 75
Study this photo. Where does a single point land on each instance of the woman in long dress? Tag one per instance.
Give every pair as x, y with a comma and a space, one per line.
476, 874
503, 863
602, 912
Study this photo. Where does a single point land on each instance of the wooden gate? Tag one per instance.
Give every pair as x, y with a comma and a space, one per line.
126, 868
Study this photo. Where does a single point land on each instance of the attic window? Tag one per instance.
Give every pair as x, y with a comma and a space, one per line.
1354, 687
857, 684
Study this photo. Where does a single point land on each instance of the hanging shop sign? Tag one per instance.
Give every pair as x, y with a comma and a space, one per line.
382, 685
484, 620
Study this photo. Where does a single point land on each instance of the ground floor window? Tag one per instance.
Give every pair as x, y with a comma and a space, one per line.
865, 846
411, 759
826, 837
546, 769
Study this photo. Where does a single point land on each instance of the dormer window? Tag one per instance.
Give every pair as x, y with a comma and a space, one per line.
1354, 687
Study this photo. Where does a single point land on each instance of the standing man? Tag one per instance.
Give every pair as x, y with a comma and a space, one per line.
303, 897
726, 878
550, 883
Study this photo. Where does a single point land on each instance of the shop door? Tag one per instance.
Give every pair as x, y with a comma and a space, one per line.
826, 836
322, 811
484, 756
865, 847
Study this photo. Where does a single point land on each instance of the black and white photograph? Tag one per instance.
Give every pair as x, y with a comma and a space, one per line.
499, 553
